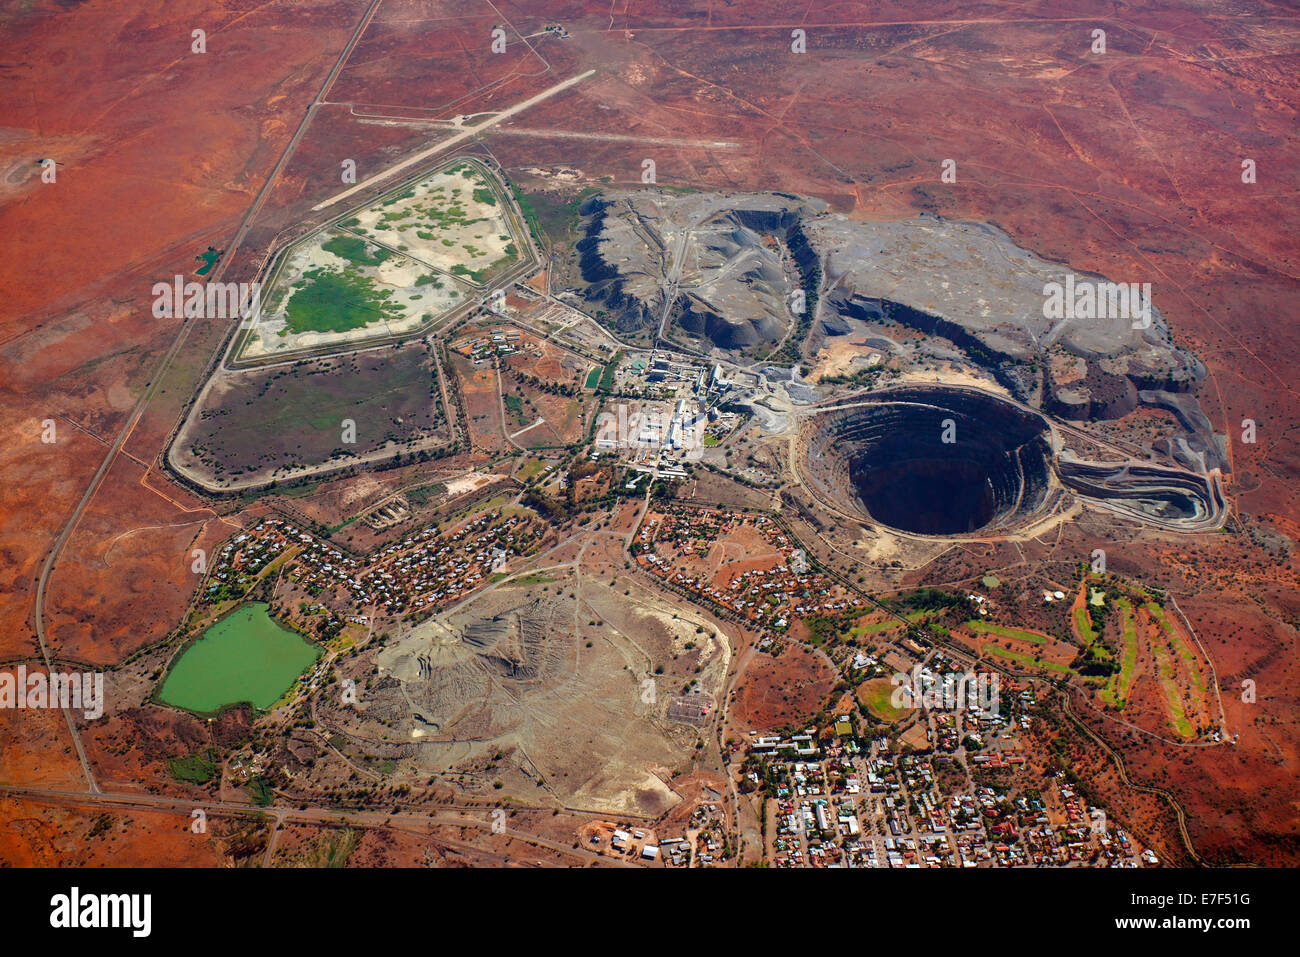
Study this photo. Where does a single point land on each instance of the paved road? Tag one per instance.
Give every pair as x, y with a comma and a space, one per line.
468, 132
310, 816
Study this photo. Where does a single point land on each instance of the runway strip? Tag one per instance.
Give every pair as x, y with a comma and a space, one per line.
467, 133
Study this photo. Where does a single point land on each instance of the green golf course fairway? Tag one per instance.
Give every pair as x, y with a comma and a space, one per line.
246, 656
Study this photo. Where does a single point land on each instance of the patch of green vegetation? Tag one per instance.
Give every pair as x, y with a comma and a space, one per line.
824, 628
337, 302
531, 469
1117, 693
1095, 662
354, 250
1177, 644
1083, 622
197, 768
515, 406
336, 849
534, 579
301, 490
931, 599
1025, 659
476, 275
1173, 695
1018, 634
425, 493
260, 791
550, 218
606, 383
875, 627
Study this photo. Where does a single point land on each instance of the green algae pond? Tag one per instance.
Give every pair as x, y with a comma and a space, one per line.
246, 656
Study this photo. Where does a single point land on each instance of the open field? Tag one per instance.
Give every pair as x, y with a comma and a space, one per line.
126, 585
254, 427
479, 387
1016, 634
874, 625
77, 837
775, 691
1025, 659
877, 697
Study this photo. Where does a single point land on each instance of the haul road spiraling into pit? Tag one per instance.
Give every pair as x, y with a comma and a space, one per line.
946, 460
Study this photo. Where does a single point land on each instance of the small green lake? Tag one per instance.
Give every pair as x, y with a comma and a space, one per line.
246, 656
209, 259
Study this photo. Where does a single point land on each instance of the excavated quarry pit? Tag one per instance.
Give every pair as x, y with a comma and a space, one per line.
932, 461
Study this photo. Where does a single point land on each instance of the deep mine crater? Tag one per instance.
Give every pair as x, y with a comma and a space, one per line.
930, 496
936, 461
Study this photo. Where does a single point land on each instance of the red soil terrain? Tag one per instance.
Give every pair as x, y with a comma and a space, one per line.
36, 835
1126, 163
772, 692
160, 154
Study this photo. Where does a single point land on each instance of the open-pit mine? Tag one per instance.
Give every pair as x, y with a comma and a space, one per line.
677, 435
752, 279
